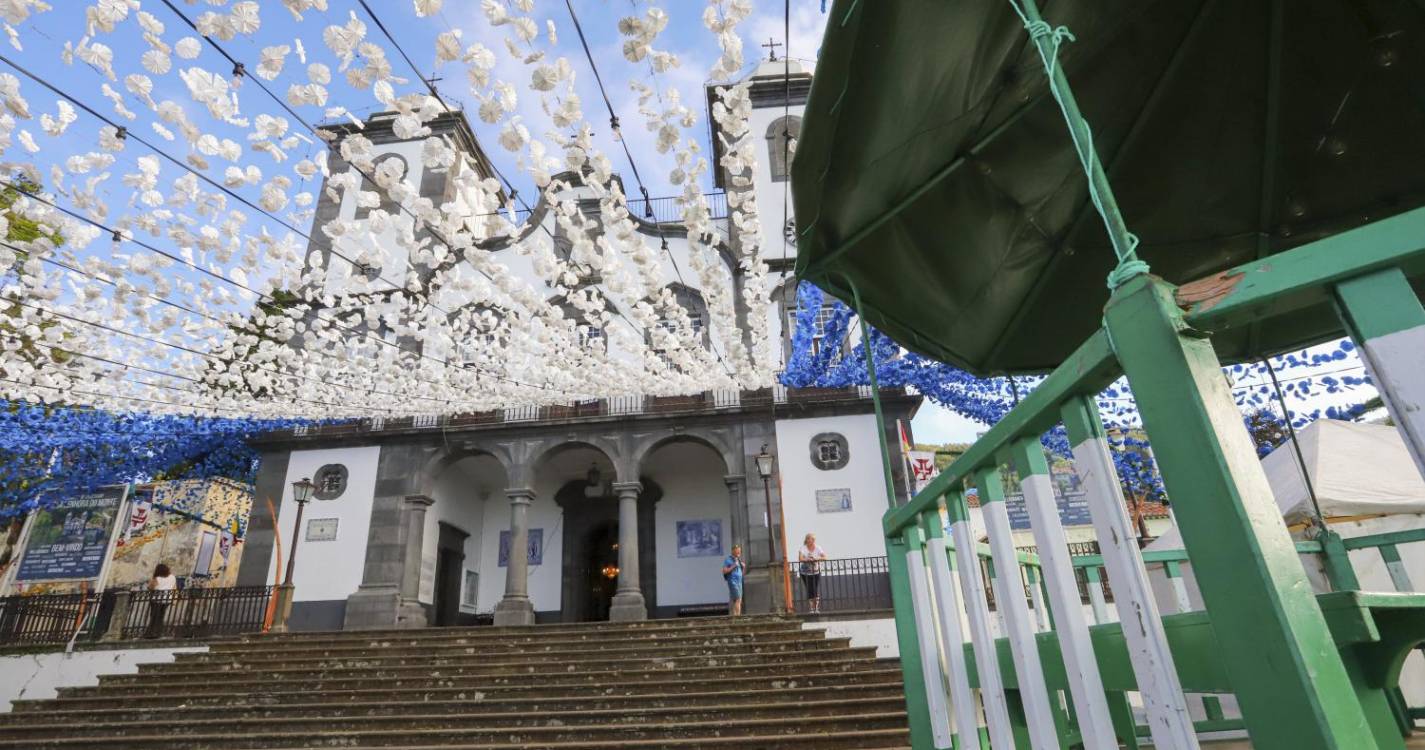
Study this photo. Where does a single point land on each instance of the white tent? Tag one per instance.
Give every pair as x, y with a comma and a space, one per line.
1356, 469
1366, 483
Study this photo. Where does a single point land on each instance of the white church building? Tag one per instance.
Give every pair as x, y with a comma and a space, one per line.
620, 508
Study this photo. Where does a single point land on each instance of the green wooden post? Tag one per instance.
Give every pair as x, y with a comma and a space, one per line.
1289, 677
916, 706
1337, 561
1386, 320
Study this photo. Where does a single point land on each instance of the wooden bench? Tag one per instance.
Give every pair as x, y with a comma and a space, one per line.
703, 610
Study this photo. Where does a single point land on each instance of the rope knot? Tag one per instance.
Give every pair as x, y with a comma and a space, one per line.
1040, 29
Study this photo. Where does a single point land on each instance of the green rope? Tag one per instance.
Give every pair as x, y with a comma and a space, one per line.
1125, 247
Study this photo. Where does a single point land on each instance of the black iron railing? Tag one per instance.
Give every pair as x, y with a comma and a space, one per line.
54, 618
850, 584
196, 612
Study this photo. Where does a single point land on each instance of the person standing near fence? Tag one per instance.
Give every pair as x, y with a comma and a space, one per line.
811, 555
163, 581
732, 568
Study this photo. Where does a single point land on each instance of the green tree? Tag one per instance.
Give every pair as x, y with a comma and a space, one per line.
20, 230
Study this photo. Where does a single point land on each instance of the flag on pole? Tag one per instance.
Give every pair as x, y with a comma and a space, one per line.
138, 514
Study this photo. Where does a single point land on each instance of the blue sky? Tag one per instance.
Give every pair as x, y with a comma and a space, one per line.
45, 35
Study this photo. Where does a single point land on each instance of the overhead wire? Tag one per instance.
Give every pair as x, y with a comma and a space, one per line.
215, 319
514, 193
205, 355
213, 274
124, 134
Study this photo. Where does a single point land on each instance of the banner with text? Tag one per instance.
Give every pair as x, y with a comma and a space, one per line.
69, 537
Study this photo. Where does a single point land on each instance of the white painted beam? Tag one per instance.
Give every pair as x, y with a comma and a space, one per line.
1153, 667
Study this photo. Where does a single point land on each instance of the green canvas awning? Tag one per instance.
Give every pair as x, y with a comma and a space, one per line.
935, 168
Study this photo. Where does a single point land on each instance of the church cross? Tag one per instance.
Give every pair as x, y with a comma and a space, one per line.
771, 47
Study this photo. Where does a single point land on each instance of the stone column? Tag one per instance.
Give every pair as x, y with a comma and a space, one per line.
409, 612
737, 507
515, 608
628, 603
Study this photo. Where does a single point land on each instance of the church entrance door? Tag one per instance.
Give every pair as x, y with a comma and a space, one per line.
601, 571
449, 568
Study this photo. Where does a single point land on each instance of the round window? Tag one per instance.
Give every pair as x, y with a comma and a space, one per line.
829, 451
330, 481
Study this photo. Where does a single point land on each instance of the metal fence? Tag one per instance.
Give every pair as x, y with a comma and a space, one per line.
90, 616
53, 618
196, 612
852, 584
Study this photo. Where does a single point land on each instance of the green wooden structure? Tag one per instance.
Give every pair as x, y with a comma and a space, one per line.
968, 174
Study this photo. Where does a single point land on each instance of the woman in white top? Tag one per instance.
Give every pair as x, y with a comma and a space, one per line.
810, 556
163, 580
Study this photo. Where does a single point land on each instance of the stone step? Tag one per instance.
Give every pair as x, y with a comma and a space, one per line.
590, 629
139, 737
133, 709
887, 676
263, 646
612, 682
572, 652
543, 661
525, 669
427, 719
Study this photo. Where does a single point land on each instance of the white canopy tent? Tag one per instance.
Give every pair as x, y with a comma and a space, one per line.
1365, 483
1356, 470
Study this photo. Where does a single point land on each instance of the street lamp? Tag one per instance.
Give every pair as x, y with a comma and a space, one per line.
301, 494
765, 465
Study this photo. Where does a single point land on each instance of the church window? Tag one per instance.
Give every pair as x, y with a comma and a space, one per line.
330, 481
818, 325
388, 205
782, 136
697, 310
829, 451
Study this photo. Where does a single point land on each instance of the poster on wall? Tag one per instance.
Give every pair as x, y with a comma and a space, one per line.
700, 538
1069, 495
70, 537
536, 547
833, 501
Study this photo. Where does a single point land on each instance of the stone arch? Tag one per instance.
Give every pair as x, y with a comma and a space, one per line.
540, 456
441, 460
718, 444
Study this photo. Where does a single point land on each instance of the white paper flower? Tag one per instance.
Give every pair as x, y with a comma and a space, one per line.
210, 90
271, 60
447, 46
188, 48
57, 124
156, 61
16, 11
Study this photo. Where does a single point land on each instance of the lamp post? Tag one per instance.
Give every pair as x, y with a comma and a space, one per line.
765, 465
301, 494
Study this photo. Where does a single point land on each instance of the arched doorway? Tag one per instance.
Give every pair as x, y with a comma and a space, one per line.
600, 571
590, 551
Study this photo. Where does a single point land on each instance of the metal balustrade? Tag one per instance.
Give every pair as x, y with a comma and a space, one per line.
53, 618
196, 612
853, 584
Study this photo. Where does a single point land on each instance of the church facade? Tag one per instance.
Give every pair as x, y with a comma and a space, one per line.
620, 508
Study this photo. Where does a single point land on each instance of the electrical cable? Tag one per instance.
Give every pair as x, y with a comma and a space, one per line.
364, 334
514, 193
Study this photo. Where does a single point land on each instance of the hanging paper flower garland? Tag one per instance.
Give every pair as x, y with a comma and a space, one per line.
1331, 370
51, 452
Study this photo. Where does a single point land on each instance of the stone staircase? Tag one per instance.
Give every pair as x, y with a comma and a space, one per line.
749, 682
